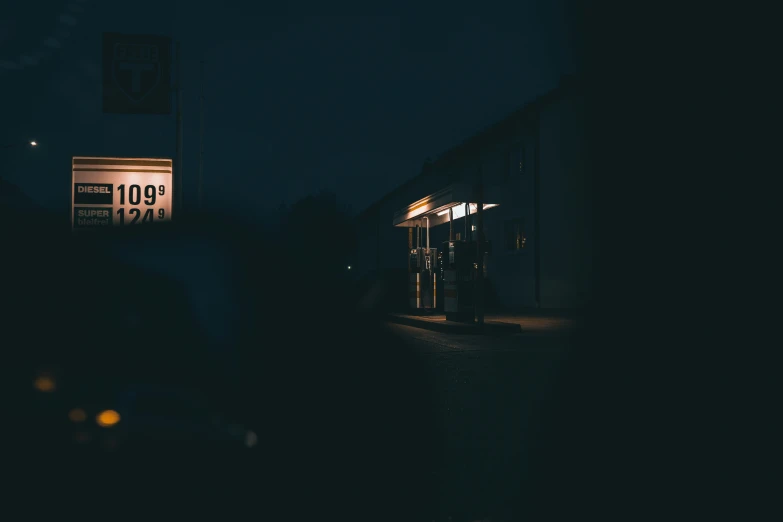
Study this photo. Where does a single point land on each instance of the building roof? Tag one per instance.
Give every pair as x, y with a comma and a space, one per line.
492, 134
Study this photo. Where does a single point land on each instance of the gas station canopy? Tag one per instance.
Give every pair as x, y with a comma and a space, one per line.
435, 207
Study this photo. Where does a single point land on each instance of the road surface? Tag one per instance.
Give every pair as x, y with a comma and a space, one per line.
488, 392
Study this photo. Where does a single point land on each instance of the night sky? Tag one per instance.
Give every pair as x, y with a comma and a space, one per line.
340, 99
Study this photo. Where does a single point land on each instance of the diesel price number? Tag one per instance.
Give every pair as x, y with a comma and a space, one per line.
140, 200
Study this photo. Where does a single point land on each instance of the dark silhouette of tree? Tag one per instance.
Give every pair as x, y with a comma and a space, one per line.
11, 196
320, 235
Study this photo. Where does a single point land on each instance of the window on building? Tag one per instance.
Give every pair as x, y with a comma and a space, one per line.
516, 160
515, 234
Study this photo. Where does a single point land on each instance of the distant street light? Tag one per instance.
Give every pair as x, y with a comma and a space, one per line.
33, 143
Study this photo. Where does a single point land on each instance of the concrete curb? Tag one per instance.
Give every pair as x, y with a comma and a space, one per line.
489, 328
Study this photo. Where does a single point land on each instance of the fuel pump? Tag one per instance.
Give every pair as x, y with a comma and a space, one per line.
429, 279
439, 268
460, 269
423, 262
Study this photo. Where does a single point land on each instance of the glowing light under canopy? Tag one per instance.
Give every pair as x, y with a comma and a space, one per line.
433, 210
459, 209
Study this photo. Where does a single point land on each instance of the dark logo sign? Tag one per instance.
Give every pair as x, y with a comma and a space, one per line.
136, 74
93, 194
136, 69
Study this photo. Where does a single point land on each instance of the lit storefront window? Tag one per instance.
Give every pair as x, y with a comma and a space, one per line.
515, 234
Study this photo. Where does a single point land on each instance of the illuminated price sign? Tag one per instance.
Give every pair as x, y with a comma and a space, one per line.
120, 191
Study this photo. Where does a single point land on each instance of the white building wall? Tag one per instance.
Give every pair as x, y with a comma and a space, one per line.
511, 272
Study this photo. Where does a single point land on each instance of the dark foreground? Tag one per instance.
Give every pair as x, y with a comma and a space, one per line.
489, 394
351, 418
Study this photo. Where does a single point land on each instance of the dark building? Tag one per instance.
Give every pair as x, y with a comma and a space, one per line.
533, 166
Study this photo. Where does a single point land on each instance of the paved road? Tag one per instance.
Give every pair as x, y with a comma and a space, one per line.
488, 391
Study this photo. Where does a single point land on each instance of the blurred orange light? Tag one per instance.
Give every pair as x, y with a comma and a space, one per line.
77, 415
108, 418
44, 384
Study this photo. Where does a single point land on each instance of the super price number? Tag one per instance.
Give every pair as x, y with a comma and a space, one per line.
134, 193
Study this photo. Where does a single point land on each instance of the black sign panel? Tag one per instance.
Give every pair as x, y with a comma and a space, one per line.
93, 194
136, 74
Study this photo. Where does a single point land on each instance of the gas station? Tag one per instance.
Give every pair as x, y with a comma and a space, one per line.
453, 270
529, 171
